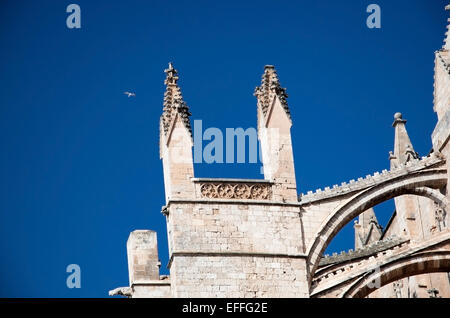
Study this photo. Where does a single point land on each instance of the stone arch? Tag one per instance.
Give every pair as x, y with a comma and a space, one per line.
420, 183
430, 193
424, 263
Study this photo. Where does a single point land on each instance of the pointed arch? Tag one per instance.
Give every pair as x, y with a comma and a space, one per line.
422, 183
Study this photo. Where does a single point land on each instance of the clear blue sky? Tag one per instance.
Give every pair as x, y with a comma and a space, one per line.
79, 161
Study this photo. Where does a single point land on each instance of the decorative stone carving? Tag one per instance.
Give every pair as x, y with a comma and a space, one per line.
433, 292
270, 87
440, 218
174, 102
208, 190
230, 190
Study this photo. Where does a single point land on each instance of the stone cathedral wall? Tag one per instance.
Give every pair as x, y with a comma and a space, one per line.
244, 248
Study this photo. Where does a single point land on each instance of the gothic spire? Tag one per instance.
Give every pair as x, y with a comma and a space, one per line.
403, 149
446, 46
173, 102
367, 229
270, 87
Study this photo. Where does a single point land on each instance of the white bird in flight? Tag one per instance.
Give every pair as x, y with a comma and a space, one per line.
129, 94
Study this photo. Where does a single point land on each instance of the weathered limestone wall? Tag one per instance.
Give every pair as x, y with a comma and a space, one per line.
441, 133
143, 262
416, 220
441, 83
238, 276
399, 226
441, 282
235, 228
415, 217
316, 214
176, 153
239, 246
156, 290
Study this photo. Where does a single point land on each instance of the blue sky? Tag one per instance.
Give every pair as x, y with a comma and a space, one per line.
79, 161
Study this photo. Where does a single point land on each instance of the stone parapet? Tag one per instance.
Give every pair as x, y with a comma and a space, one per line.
370, 180
348, 263
368, 250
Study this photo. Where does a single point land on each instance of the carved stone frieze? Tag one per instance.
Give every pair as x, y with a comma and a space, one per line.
236, 190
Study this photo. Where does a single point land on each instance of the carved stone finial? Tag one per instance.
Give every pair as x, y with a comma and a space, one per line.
171, 75
398, 118
270, 87
173, 101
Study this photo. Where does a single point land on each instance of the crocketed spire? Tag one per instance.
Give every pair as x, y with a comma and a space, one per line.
403, 148
173, 102
270, 87
367, 229
446, 46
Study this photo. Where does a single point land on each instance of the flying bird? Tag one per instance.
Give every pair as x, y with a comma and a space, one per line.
129, 94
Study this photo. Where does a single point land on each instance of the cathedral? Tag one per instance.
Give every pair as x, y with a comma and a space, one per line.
260, 238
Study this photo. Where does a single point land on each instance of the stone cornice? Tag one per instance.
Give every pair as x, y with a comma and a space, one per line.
162, 282
231, 253
165, 208
253, 190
